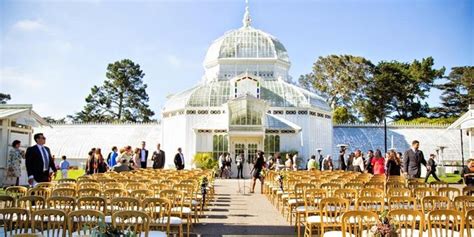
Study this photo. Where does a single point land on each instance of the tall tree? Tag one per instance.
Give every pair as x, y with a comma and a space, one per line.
341, 78
4, 98
397, 90
50, 119
122, 97
458, 92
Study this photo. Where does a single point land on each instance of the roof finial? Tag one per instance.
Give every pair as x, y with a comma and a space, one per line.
247, 20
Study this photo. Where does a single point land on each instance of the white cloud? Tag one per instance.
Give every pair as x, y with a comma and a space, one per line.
29, 25
15, 79
174, 61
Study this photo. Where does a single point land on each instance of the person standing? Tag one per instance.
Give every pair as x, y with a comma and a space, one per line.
393, 164
179, 160
239, 160
288, 162
321, 158
312, 163
91, 162
14, 162
431, 168
358, 161
136, 160
412, 160
158, 158
143, 156
327, 163
256, 172
112, 157
350, 160
342, 152
378, 163
228, 162
64, 165
39, 161
368, 162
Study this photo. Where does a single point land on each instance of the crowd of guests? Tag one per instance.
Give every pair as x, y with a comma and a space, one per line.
127, 159
40, 164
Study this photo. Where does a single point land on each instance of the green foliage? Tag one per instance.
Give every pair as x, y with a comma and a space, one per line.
342, 115
458, 91
397, 90
426, 120
4, 98
122, 97
204, 160
50, 119
341, 78
357, 90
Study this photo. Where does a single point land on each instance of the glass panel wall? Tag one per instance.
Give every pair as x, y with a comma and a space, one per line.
272, 144
220, 145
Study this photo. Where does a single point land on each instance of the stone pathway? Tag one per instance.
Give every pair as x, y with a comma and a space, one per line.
237, 214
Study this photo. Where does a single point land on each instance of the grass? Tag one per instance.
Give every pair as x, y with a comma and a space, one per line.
449, 178
72, 174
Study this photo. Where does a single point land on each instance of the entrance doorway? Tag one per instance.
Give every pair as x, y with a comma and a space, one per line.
247, 147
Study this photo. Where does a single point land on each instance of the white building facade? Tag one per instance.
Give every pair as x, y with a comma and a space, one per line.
246, 102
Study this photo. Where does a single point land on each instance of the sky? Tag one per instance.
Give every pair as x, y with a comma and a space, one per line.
53, 52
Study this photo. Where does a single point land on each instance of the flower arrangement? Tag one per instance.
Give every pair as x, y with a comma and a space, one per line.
384, 228
280, 177
107, 230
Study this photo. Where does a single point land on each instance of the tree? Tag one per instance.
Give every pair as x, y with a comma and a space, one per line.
458, 90
122, 97
50, 119
341, 78
397, 90
4, 98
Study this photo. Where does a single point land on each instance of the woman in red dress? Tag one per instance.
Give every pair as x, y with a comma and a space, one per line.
378, 163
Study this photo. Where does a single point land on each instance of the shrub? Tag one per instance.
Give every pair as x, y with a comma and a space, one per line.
204, 160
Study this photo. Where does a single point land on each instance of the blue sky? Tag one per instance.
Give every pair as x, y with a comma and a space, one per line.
53, 52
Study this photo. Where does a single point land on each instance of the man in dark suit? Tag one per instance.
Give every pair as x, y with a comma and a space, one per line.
39, 161
179, 160
412, 160
158, 158
143, 156
431, 167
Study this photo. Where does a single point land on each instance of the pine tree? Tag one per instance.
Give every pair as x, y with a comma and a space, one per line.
122, 97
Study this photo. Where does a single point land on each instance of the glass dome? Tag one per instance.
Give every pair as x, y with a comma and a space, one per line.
246, 43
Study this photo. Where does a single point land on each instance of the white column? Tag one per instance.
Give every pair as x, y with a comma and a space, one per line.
471, 143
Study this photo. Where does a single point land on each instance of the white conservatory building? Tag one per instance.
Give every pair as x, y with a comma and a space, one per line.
246, 102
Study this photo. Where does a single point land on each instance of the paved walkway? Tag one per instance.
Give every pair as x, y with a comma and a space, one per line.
234, 214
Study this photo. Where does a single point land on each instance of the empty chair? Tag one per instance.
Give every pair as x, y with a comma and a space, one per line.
449, 192
38, 191
32, 203
469, 221
92, 203
395, 203
14, 220
371, 192
159, 210
85, 222
67, 204
135, 221
464, 203
16, 191
358, 223
374, 204
64, 192
445, 223
431, 203
398, 192
49, 222
409, 223
89, 192
6, 201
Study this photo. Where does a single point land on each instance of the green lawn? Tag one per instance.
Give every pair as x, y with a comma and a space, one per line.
449, 178
73, 174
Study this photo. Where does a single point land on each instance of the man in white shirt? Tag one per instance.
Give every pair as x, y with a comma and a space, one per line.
143, 155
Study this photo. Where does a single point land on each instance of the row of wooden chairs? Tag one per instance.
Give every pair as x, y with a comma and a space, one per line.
58, 223
336, 220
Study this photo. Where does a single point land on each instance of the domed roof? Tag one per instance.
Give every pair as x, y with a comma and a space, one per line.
245, 43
